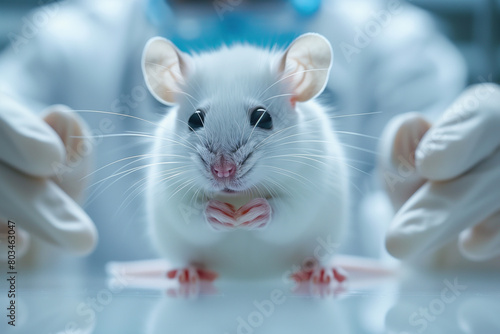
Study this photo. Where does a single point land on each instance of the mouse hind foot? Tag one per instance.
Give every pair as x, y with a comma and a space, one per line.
320, 274
192, 274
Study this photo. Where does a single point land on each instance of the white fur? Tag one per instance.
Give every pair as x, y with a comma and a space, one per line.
308, 203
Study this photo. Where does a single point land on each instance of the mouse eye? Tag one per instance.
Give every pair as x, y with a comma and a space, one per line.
261, 118
196, 120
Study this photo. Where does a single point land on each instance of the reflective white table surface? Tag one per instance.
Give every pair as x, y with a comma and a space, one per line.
84, 301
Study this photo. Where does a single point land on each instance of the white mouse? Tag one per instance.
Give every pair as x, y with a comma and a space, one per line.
248, 179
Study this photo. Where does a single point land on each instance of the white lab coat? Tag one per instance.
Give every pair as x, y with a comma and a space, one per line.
87, 56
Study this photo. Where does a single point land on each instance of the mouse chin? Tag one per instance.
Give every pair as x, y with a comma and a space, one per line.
227, 188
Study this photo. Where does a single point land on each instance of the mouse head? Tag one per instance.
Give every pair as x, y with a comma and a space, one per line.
233, 105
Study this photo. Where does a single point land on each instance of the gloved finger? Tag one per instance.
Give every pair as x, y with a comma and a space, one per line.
18, 237
27, 143
396, 162
466, 134
439, 211
43, 209
73, 131
482, 242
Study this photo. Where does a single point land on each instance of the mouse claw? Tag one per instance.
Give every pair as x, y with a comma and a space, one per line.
255, 214
320, 275
327, 275
220, 216
186, 275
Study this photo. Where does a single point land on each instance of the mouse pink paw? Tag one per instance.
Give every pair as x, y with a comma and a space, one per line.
326, 275
320, 275
254, 214
220, 216
192, 275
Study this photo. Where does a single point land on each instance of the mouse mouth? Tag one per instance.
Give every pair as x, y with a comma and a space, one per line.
235, 186
231, 185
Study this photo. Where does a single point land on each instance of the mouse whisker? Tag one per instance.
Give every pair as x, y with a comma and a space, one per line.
318, 131
337, 159
355, 115
320, 155
291, 174
162, 180
193, 195
115, 114
360, 149
132, 170
274, 134
155, 124
195, 132
291, 128
126, 147
183, 140
113, 175
165, 176
168, 172
95, 194
326, 142
276, 96
280, 139
131, 191
189, 189
276, 184
181, 186
319, 141
117, 173
135, 135
299, 161
356, 134
155, 136
140, 157
314, 120
98, 191
261, 195
241, 131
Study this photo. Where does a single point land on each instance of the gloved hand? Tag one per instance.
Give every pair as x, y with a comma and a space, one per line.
41, 166
444, 179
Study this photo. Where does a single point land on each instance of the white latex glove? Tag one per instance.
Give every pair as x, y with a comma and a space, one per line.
445, 179
41, 165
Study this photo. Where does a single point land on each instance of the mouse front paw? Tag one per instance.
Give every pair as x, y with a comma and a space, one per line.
223, 216
255, 214
220, 216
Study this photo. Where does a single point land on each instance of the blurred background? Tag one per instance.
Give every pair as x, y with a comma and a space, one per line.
473, 25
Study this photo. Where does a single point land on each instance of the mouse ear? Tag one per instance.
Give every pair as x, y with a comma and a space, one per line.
307, 63
164, 68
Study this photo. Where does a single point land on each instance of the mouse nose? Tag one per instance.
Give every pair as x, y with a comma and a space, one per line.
224, 169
